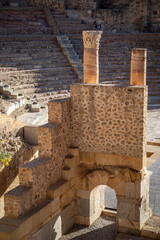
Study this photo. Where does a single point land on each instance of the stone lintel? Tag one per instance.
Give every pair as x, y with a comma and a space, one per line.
112, 160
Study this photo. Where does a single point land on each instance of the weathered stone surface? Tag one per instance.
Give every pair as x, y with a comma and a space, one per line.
91, 56
138, 66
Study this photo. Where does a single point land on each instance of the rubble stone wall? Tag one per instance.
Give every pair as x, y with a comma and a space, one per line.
139, 15
108, 119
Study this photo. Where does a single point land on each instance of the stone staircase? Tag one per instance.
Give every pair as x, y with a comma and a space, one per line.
67, 25
115, 59
32, 62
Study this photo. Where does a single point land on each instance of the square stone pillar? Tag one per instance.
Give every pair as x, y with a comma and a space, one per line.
138, 66
133, 208
91, 41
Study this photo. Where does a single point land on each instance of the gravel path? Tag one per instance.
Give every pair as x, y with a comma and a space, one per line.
103, 228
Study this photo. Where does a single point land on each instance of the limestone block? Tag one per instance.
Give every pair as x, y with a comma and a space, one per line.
137, 189
56, 110
68, 173
73, 151
67, 225
18, 201
149, 232
83, 194
46, 136
67, 197
60, 187
125, 226
97, 178
80, 220
83, 206
31, 134
126, 210
68, 213
120, 189
70, 162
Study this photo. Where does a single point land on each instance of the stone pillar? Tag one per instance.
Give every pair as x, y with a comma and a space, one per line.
133, 207
138, 66
91, 41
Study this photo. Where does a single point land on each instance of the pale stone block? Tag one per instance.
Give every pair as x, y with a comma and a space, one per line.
126, 211
149, 232
73, 151
126, 226
120, 189
80, 220
31, 134
67, 225
83, 206
67, 197
67, 213
83, 194
70, 162
96, 215
137, 189
68, 173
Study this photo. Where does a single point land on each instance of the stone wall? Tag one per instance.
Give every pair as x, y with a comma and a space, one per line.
154, 14
109, 119
119, 16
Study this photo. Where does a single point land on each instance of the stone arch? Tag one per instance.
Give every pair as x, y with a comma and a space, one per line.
115, 180
131, 192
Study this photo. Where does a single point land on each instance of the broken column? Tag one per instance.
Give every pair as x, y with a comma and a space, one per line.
138, 66
91, 41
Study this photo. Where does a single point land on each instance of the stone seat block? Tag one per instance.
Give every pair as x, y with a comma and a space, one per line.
28, 172
58, 189
47, 134
17, 201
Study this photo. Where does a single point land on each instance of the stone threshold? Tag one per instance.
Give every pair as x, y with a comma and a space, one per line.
110, 212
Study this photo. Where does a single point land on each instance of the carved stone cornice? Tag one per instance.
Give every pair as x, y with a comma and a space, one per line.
91, 39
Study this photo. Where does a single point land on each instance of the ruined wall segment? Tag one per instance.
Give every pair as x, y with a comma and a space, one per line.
113, 119
117, 16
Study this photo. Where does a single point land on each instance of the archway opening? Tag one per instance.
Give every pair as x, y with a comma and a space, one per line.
110, 199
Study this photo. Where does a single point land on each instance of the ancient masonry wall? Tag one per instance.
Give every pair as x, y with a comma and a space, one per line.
139, 15
78, 154
113, 119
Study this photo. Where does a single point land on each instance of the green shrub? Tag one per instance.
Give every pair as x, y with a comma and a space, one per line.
5, 158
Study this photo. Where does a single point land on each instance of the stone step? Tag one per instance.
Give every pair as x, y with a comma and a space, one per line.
29, 43
37, 78
58, 189
54, 85
36, 66
28, 37
30, 55
26, 63
17, 202
40, 78
26, 31
39, 71
27, 172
